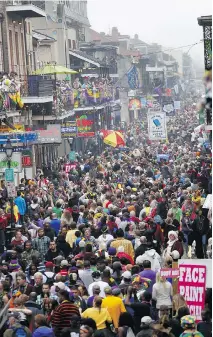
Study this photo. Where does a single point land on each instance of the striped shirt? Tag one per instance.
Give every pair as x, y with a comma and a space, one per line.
62, 315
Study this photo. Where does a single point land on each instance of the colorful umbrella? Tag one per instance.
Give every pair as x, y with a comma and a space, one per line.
113, 138
54, 69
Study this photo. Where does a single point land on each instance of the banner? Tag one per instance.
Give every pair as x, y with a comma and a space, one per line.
85, 124
157, 129
27, 158
192, 285
69, 130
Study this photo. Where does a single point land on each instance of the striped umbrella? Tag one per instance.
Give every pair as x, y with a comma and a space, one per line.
113, 138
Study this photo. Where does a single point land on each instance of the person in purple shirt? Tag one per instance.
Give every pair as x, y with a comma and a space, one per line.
148, 273
55, 223
95, 292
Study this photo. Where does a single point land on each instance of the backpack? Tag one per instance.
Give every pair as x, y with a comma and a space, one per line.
50, 280
19, 332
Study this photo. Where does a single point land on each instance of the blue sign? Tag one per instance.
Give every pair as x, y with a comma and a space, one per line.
30, 137
9, 174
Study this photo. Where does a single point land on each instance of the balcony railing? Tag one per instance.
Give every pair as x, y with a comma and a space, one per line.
75, 96
39, 4
36, 86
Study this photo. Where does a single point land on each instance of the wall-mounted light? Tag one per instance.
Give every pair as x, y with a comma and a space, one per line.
14, 22
20, 23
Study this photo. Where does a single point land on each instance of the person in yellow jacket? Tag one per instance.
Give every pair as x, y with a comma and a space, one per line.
15, 211
70, 237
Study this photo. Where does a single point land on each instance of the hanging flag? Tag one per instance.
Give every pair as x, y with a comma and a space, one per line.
133, 80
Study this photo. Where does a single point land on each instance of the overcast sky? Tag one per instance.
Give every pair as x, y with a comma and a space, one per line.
171, 23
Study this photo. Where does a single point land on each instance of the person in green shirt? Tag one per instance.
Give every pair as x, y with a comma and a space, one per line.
189, 327
176, 211
57, 210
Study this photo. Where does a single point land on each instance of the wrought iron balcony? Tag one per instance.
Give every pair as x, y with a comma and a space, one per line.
26, 9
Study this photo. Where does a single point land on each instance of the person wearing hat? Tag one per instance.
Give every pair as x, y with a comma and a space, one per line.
189, 326
146, 327
15, 326
114, 305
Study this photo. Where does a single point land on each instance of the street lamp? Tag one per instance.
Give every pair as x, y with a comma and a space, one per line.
9, 153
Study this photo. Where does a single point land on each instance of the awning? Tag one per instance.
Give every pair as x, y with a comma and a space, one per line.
84, 57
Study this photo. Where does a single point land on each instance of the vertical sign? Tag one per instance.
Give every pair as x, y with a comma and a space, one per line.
157, 129
192, 285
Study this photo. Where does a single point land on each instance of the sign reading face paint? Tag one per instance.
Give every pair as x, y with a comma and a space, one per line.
192, 285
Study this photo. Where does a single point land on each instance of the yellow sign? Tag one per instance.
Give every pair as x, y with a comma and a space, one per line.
18, 127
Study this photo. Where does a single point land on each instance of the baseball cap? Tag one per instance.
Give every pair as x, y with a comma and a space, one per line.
146, 320
64, 263
49, 264
60, 285
127, 274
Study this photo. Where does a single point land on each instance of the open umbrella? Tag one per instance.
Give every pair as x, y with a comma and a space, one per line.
113, 138
54, 69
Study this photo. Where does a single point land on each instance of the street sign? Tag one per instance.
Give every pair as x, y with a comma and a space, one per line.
72, 156
9, 175
11, 189
15, 162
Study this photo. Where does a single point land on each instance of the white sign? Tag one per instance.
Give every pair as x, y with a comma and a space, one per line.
15, 162
177, 105
157, 125
11, 189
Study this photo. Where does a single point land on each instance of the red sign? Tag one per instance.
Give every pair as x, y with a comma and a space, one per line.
69, 167
192, 285
27, 161
169, 272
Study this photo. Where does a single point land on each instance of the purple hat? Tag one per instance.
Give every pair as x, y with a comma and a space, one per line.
14, 265
112, 251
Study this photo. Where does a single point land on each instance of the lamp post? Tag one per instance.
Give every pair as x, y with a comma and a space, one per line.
9, 153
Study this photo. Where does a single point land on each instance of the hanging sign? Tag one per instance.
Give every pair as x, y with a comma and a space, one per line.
15, 162
69, 130
9, 174
157, 129
50, 136
134, 104
192, 286
85, 124
11, 189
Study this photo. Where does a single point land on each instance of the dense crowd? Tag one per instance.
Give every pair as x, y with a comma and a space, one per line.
88, 245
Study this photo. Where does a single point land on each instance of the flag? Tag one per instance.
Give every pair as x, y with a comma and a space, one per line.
133, 80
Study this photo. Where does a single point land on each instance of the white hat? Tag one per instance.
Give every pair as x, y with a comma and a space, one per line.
60, 285
127, 274
175, 255
146, 320
64, 263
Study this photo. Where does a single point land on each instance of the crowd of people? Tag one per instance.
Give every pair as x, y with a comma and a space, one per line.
85, 255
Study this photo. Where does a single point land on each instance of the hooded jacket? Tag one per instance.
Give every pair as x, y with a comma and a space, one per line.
152, 256
43, 331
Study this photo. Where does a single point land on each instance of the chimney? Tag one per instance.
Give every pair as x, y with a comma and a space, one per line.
115, 33
136, 37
